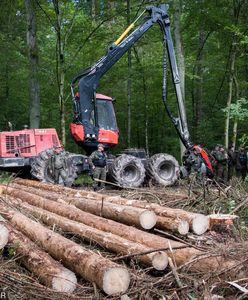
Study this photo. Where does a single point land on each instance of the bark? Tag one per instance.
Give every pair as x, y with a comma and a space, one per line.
198, 84
222, 219
108, 276
235, 124
230, 92
50, 272
34, 115
4, 235
144, 84
107, 240
194, 259
172, 224
233, 53
60, 69
131, 216
198, 223
73, 213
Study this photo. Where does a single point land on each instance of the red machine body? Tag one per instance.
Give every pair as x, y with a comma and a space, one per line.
27, 142
107, 131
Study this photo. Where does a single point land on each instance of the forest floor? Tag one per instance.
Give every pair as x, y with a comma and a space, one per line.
229, 241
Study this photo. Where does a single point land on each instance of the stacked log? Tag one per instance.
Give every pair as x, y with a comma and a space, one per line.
180, 253
107, 275
49, 271
107, 240
176, 220
198, 223
73, 213
139, 217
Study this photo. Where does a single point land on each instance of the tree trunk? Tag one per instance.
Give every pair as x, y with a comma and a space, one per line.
146, 105
198, 84
50, 272
4, 235
60, 57
110, 277
34, 115
107, 240
233, 51
235, 124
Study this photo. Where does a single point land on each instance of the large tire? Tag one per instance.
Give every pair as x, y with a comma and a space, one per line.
127, 171
163, 169
41, 168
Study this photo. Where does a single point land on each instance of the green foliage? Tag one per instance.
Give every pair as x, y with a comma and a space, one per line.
4, 177
238, 110
244, 139
88, 32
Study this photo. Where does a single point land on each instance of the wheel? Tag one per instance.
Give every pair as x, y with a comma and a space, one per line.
127, 171
42, 168
163, 169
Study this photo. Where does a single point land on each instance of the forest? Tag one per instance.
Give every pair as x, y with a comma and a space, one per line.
132, 229
46, 43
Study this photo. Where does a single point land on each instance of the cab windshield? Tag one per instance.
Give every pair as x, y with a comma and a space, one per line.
106, 115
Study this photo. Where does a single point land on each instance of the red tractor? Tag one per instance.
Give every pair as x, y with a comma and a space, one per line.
94, 122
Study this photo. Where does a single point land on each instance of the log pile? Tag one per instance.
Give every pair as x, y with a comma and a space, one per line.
35, 211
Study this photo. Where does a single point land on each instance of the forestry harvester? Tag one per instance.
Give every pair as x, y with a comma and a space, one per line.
94, 122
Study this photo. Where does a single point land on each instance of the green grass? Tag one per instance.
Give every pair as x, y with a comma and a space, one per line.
84, 180
4, 177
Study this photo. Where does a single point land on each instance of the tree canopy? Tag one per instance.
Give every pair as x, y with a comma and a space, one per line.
72, 35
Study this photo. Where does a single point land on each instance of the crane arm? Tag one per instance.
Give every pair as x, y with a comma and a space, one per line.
89, 78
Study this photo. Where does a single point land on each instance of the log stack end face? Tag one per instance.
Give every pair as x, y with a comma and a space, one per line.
4, 236
159, 260
65, 281
115, 281
148, 219
183, 227
200, 224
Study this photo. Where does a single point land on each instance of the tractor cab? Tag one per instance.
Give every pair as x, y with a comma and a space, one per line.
94, 123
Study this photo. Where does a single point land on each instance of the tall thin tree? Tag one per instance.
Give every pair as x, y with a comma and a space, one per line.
34, 114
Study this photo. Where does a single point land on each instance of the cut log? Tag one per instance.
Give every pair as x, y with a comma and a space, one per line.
175, 225
73, 213
139, 217
143, 218
164, 223
222, 219
107, 240
109, 276
4, 235
50, 272
181, 254
198, 223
